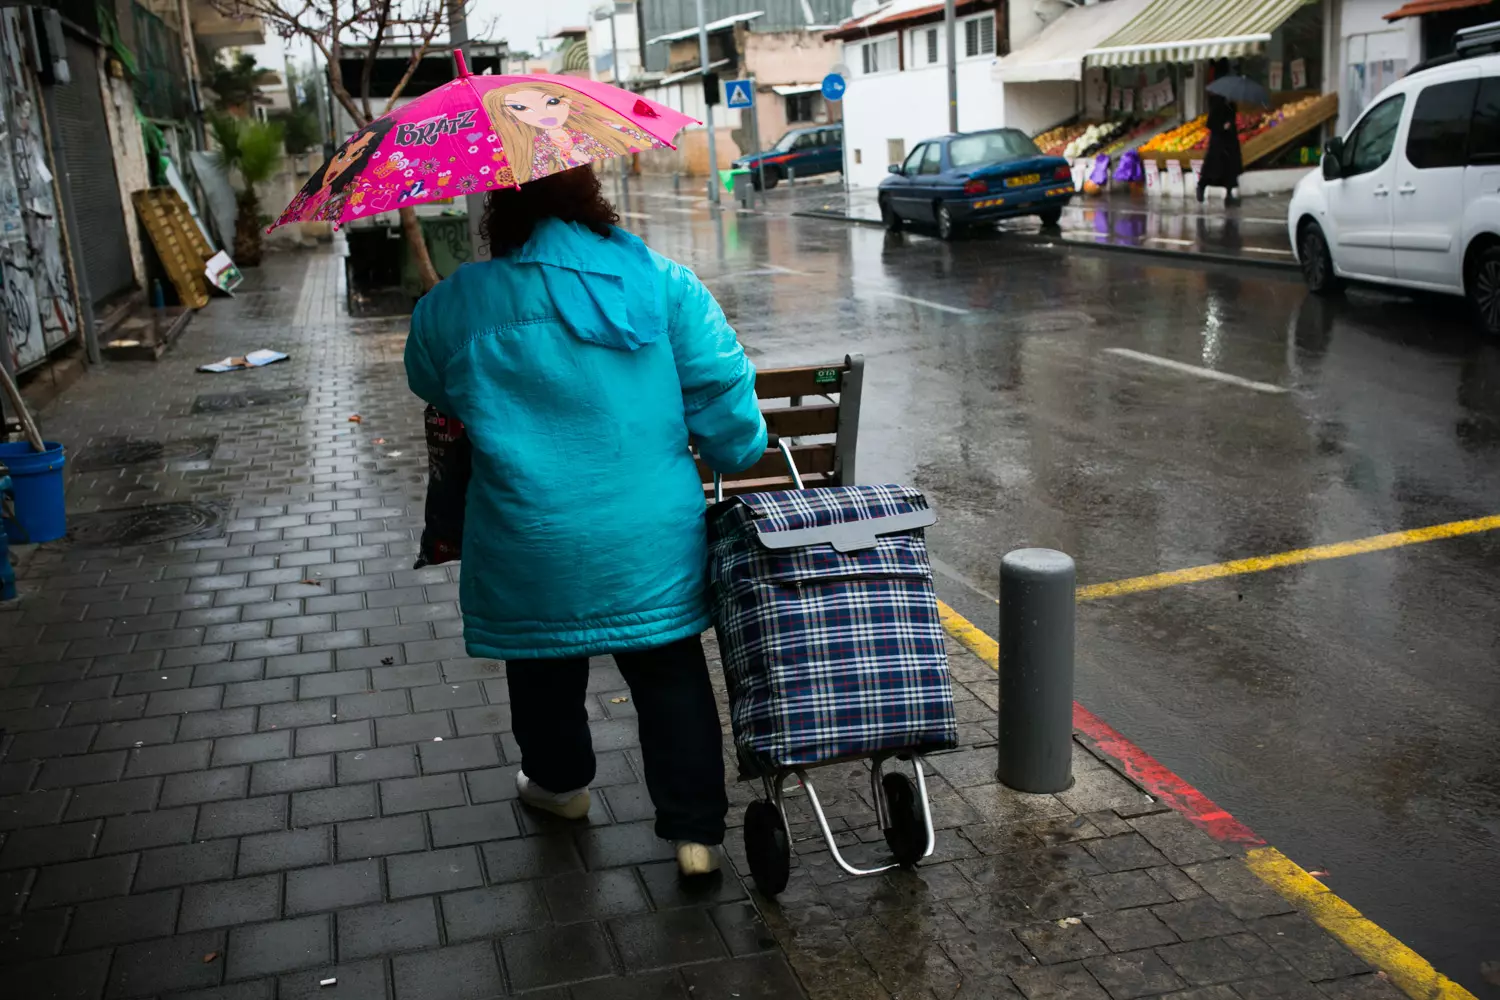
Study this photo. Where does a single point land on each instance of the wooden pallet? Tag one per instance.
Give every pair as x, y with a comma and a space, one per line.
178, 241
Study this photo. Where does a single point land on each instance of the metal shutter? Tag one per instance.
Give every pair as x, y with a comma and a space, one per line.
84, 137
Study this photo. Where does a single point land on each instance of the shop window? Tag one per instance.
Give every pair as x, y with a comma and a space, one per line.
1439, 132
880, 56
1484, 135
802, 107
1370, 144
979, 36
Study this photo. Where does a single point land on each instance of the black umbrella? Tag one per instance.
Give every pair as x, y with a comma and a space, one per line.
1240, 90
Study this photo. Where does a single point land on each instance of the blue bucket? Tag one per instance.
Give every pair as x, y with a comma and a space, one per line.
37, 482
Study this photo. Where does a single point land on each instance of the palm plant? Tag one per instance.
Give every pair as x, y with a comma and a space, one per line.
254, 150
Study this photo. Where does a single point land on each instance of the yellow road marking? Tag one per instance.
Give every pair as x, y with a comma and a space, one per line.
1259, 564
1408, 970
970, 636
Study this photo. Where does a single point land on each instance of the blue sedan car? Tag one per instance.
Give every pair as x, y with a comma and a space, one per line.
957, 182
802, 152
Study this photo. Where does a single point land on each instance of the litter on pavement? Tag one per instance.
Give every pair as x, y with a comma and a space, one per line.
255, 359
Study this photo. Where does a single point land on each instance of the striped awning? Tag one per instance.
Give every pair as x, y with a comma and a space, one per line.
1190, 30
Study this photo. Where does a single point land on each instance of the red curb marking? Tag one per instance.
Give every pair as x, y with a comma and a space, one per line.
1146, 771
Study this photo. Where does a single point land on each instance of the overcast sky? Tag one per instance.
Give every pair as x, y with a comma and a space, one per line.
522, 22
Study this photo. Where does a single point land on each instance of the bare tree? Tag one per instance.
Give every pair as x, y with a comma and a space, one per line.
341, 29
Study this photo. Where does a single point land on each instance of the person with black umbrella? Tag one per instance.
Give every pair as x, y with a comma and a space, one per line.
1222, 163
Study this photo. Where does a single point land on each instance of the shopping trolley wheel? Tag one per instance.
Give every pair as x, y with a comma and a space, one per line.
767, 847
907, 834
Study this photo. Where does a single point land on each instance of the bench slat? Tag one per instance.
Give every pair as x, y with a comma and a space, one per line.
809, 458
803, 421
738, 486
784, 383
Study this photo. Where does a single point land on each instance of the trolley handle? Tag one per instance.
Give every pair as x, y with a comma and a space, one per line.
774, 442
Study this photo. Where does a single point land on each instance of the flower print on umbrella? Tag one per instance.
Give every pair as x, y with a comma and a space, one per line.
327, 191
468, 183
430, 166
546, 127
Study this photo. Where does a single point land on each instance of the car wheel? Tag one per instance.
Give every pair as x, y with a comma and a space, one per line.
772, 179
1317, 262
1050, 216
947, 229
888, 216
1484, 289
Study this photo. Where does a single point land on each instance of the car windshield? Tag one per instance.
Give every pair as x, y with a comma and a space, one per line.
785, 142
990, 147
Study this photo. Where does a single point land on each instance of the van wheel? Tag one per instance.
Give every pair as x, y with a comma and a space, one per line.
888, 216
1484, 289
1317, 262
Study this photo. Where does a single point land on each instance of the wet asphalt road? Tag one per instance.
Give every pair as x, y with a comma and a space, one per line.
1347, 711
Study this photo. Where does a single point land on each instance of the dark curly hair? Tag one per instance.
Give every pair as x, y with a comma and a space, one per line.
574, 195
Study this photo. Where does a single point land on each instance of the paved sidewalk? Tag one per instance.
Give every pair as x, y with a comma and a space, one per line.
244, 752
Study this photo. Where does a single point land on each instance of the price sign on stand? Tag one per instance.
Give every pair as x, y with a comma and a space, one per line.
1153, 178
1174, 179
1299, 74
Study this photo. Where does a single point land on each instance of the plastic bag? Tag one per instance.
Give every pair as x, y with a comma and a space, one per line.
449, 464
1130, 170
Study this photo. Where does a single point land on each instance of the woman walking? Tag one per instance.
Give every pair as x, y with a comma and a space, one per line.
1222, 162
582, 364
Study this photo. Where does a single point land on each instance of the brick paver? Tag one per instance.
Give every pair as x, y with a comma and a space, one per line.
246, 758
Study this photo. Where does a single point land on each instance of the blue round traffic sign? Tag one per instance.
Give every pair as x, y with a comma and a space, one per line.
833, 87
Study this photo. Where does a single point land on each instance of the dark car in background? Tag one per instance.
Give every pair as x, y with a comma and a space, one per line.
958, 182
817, 149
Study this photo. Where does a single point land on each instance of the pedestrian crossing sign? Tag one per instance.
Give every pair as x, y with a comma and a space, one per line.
737, 93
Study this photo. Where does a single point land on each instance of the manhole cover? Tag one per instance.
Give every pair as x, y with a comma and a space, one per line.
114, 452
219, 402
158, 522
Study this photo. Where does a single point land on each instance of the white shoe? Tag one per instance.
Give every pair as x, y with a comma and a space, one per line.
568, 805
696, 859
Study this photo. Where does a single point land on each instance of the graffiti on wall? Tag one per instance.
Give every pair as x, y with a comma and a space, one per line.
38, 298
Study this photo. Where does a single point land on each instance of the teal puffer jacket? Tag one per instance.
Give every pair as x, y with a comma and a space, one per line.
581, 366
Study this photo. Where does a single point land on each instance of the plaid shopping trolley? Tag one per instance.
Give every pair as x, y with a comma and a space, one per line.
833, 650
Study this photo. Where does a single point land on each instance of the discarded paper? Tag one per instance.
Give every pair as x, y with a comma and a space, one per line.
618, 701
255, 359
355, 418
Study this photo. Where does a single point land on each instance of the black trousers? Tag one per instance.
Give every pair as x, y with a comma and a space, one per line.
679, 729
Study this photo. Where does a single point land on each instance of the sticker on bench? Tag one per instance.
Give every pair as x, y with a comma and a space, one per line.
826, 376
850, 536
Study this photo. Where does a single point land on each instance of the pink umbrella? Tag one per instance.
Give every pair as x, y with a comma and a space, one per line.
478, 133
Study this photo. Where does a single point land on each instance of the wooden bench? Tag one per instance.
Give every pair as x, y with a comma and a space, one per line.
816, 409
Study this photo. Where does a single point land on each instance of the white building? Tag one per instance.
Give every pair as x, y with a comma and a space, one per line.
614, 31
897, 91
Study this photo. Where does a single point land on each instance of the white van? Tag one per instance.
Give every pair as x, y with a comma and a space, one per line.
1411, 195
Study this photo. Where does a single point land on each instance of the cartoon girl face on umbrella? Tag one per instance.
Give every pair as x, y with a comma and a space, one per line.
546, 127
328, 189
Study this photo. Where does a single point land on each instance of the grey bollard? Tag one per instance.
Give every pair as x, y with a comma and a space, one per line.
1036, 670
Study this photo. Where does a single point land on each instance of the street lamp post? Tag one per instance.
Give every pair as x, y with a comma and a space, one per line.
458, 37
952, 66
708, 109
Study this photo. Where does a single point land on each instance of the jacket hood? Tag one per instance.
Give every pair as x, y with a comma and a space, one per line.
600, 285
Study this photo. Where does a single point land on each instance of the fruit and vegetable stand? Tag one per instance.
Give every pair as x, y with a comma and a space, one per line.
1262, 132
